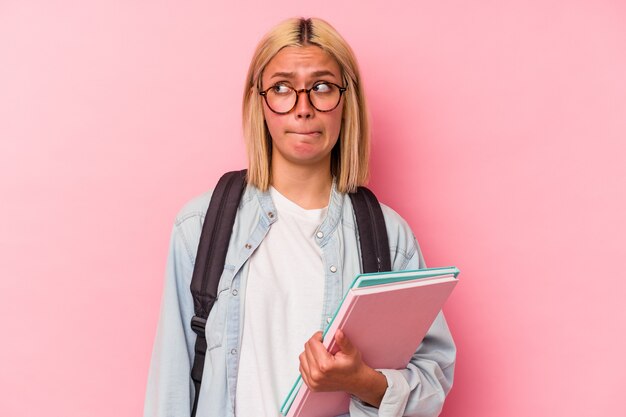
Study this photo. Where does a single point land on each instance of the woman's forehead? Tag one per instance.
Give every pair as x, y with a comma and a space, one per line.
295, 61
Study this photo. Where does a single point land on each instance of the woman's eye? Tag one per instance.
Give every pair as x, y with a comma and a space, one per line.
322, 88
281, 89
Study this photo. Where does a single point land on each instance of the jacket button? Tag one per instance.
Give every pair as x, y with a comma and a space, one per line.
235, 292
248, 246
233, 351
333, 269
270, 214
319, 235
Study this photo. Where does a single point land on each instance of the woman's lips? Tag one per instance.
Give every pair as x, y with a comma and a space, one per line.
313, 133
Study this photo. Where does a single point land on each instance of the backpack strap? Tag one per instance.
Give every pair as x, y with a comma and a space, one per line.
373, 240
209, 265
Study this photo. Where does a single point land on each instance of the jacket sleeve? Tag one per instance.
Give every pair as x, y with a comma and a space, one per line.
420, 389
169, 389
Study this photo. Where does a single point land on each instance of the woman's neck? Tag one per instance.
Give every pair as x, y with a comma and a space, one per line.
308, 187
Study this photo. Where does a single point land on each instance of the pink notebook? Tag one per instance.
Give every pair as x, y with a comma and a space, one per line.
386, 319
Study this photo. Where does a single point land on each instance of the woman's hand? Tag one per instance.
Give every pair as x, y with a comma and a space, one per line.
343, 371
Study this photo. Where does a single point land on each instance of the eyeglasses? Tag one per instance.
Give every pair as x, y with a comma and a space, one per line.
324, 96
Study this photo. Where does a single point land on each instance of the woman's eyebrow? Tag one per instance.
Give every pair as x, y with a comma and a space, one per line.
322, 73
292, 75
283, 75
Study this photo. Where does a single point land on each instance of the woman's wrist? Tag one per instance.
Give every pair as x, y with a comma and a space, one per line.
370, 386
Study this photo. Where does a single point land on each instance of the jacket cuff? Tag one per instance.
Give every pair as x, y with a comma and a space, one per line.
394, 401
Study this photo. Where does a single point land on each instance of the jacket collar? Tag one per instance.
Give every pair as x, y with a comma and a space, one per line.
333, 216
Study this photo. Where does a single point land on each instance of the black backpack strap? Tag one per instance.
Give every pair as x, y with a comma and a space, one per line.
210, 258
375, 254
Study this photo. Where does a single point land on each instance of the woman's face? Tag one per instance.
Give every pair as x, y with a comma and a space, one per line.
304, 136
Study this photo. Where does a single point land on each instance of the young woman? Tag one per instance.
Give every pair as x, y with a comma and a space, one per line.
293, 252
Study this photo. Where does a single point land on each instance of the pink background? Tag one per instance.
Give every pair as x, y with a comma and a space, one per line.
499, 132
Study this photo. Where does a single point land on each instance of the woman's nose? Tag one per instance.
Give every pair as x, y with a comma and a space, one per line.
303, 105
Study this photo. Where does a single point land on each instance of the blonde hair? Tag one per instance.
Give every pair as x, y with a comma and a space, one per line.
350, 162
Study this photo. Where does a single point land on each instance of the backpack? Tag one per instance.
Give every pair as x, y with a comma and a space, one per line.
215, 237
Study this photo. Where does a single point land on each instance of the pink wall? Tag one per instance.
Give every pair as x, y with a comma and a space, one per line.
504, 122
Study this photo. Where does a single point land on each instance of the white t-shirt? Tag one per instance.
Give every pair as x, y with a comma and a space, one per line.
283, 307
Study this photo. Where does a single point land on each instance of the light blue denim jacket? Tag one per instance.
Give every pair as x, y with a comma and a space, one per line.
418, 390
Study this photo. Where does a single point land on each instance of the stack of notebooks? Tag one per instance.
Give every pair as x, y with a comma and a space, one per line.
386, 316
